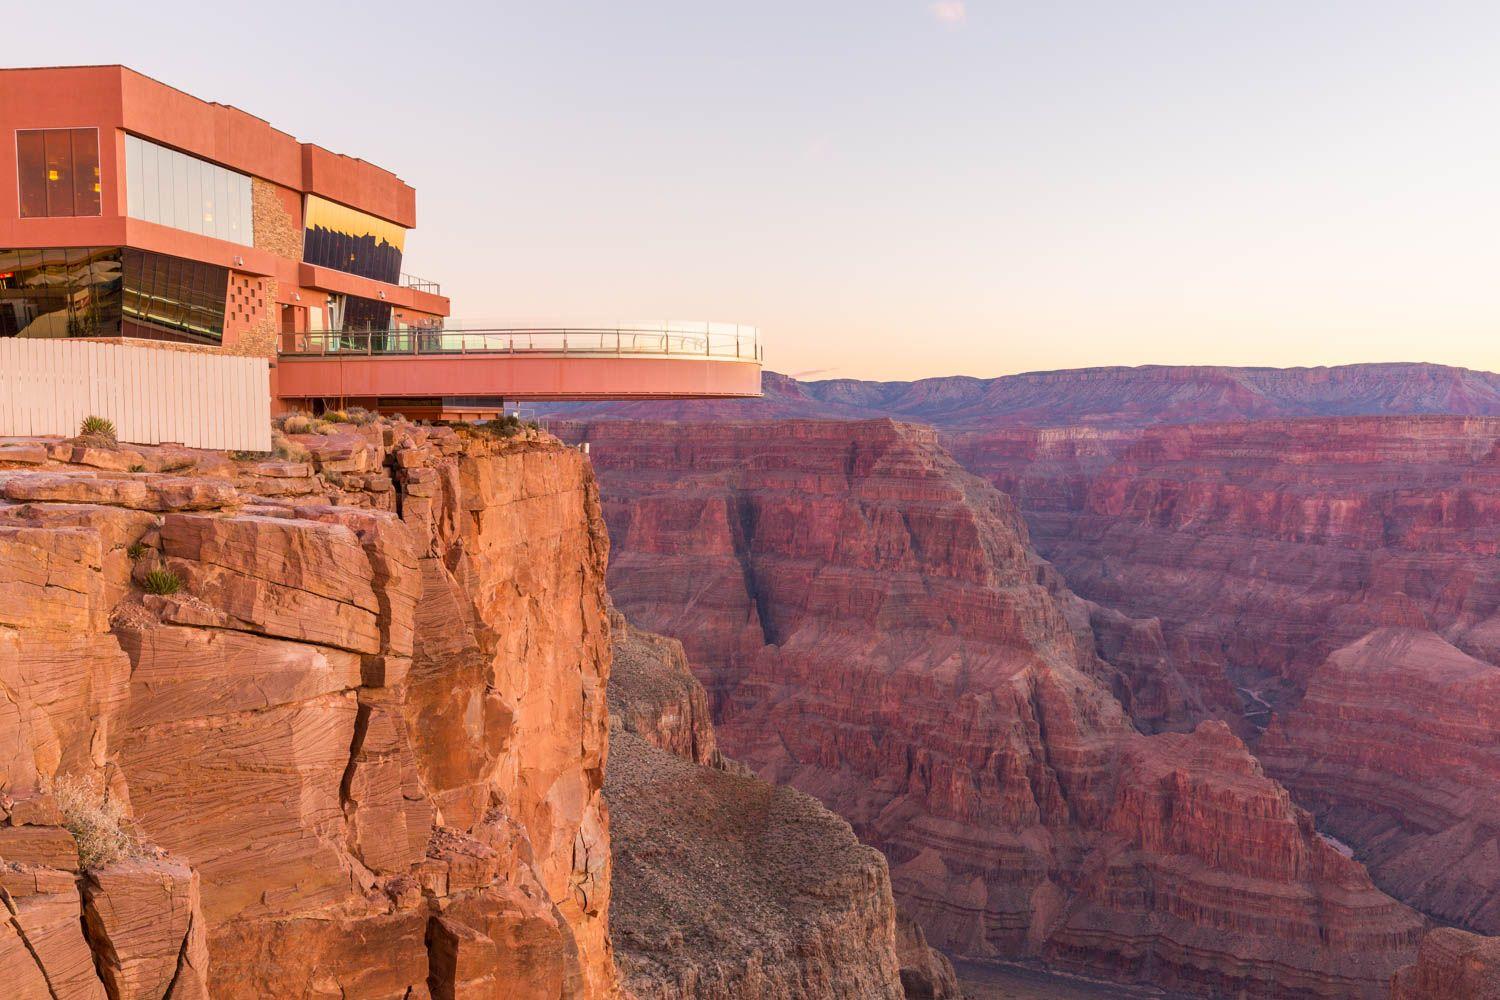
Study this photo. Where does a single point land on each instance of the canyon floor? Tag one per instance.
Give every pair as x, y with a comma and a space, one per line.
1003, 981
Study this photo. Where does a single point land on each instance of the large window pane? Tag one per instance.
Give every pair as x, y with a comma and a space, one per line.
195, 169
59, 144
182, 210
168, 298
221, 205
86, 182
133, 204
348, 240
31, 161
184, 192
56, 293
58, 172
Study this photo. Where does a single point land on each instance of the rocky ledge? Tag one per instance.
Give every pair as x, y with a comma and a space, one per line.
338, 718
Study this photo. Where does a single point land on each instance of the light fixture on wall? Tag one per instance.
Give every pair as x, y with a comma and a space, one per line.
382, 294
239, 261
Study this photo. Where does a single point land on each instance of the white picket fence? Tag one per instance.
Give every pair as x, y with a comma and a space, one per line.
153, 395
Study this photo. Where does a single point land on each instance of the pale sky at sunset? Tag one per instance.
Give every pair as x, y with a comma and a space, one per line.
902, 189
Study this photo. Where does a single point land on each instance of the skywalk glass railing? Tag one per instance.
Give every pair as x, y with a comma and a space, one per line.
722, 341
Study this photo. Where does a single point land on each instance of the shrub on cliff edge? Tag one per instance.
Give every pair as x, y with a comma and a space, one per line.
96, 821
162, 581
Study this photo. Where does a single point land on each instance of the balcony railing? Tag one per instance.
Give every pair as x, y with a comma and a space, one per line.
713, 340
421, 284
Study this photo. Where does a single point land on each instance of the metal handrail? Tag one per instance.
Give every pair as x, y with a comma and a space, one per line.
740, 343
420, 284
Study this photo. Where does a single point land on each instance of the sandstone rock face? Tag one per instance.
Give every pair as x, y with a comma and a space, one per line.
1263, 547
144, 919
1451, 965
1396, 747
654, 694
874, 629
366, 736
926, 973
726, 886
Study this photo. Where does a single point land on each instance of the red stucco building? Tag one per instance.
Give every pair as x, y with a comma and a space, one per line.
144, 214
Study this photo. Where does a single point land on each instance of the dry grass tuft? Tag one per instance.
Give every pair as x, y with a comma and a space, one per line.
97, 822
288, 450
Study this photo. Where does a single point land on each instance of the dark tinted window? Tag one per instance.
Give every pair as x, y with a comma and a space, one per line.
85, 171
168, 298
107, 292
54, 293
58, 172
349, 240
31, 162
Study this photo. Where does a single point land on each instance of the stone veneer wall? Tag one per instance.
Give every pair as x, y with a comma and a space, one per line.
276, 230
251, 320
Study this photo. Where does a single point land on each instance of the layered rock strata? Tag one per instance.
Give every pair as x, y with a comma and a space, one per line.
874, 629
727, 887
1097, 397
1451, 965
1396, 748
358, 709
1263, 547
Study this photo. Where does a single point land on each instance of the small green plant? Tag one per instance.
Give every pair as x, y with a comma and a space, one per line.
137, 467
298, 423
97, 425
360, 416
96, 821
248, 456
162, 581
336, 417
99, 431
135, 550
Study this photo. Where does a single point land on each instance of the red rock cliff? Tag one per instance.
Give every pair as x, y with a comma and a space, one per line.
1263, 547
366, 737
874, 630
1396, 747
727, 887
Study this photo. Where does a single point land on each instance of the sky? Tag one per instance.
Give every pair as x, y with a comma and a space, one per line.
893, 189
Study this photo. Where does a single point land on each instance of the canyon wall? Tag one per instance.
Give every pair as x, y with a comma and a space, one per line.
1396, 748
874, 629
730, 888
354, 706
1097, 397
1451, 965
1263, 547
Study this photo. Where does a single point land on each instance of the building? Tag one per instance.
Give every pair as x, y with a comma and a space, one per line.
143, 214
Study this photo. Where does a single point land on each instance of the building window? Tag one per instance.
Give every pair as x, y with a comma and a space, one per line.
58, 172
109, 292
184, 192
169, 298
55, 293
347, 240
